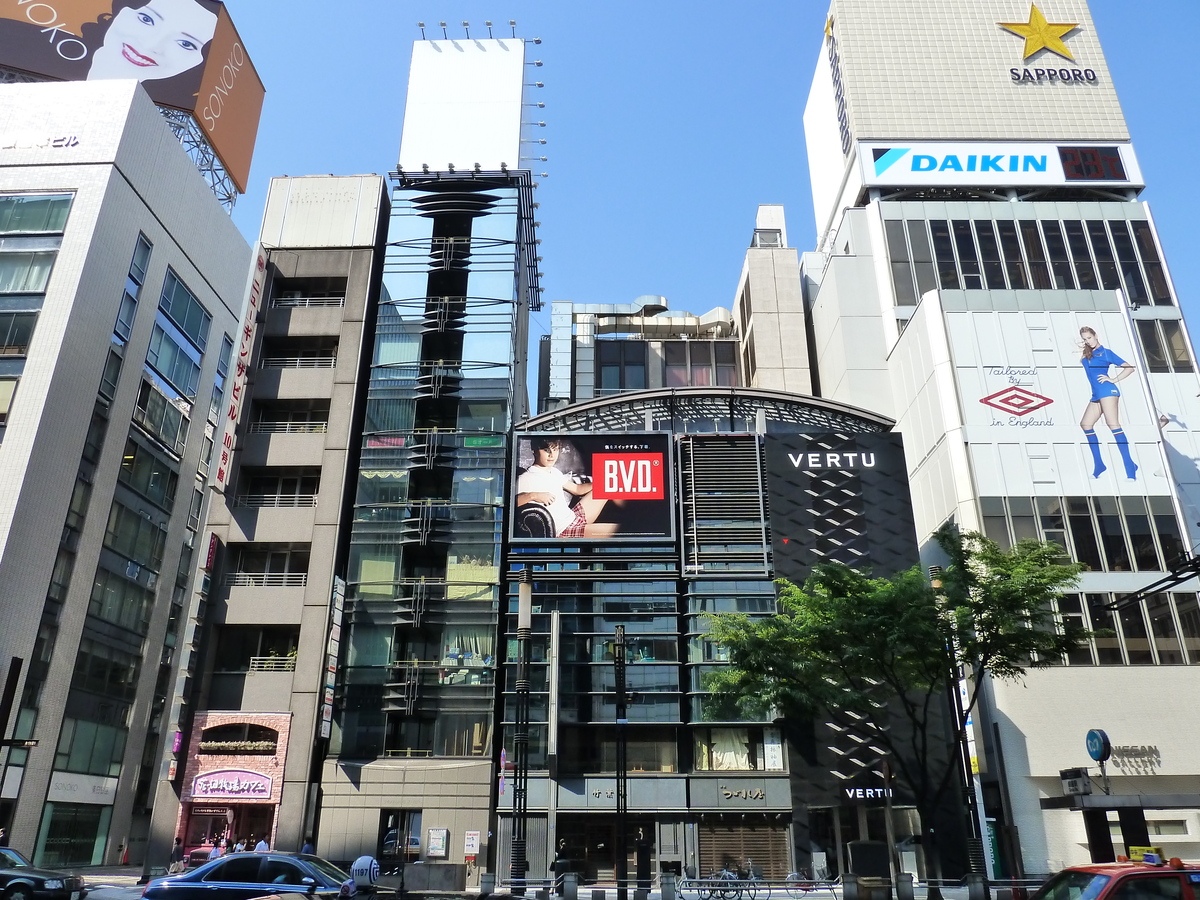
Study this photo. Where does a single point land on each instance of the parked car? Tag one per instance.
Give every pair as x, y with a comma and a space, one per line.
243, 876
1146, 880
22, 880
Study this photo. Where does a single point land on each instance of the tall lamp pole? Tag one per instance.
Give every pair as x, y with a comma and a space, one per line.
622, 848
519, 861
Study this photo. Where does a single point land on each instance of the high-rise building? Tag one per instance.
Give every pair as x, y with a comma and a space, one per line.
361, 529
250, 721
987, 275
121, 281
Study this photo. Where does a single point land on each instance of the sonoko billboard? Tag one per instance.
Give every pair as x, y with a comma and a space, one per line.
186, 53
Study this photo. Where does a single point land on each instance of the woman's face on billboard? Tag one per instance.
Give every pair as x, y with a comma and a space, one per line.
158, 40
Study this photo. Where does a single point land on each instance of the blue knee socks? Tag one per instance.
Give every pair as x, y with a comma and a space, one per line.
1094, 444
1123, 445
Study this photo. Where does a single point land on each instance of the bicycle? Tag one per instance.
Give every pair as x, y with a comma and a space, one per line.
799, 884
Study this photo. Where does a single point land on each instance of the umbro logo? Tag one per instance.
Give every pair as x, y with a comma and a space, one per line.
1016, 401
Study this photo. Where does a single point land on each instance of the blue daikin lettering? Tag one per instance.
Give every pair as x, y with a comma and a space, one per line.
951, 162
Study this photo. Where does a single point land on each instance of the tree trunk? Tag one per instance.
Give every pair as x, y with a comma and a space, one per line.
933, 856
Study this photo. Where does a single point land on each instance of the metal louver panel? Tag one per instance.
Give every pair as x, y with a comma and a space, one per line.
724, 511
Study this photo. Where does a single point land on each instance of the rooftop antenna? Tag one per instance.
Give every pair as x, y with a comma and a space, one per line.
421, 25
513, 23
488, 23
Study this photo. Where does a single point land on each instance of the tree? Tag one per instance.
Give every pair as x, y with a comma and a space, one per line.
855, 649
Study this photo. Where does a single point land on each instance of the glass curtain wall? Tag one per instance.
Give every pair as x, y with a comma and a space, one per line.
420, 664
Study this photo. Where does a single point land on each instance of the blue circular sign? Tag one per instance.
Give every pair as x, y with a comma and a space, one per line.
1098, 747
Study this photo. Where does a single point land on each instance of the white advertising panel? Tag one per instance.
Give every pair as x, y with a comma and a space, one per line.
1056, 401
984, 163
464, 105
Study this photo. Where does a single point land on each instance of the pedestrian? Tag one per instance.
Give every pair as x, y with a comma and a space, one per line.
3, 837
308, 846
240, 846
216, 852
261, 846
177, 864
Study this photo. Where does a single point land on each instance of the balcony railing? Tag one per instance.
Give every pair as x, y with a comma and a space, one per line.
276, 501
289, 427
329, 300
272, 664
267, 579
298, 362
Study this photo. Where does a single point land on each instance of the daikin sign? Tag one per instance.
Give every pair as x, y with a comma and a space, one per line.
982, 164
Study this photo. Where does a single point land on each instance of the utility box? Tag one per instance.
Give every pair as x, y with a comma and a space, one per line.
1075, 782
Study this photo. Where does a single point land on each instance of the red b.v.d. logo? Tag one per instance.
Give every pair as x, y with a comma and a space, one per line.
1016, 401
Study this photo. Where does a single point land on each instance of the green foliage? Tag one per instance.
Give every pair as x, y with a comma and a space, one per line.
846, 646
844, 640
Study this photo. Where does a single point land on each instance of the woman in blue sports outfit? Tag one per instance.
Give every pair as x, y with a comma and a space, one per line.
1106, 399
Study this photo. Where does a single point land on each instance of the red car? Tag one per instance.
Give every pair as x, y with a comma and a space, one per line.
1124, 881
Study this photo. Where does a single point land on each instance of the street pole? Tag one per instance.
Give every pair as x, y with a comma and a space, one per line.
519, 861
622, 848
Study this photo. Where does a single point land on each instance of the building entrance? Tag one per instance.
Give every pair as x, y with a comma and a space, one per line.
588, 846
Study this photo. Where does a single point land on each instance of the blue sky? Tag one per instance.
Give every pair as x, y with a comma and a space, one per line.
668, 123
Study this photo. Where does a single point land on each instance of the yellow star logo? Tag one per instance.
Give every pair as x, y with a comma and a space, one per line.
1040, 34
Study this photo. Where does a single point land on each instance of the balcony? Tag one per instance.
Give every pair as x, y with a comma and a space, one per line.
282, 427
299, 302
275, 501
266, 579
298, 362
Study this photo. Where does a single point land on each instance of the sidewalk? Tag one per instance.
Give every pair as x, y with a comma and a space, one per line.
107, 876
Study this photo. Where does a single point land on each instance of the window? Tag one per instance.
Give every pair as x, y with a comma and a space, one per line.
153, 478
193, 522
90, 748
16, 330
34, 213
121, 602
25, 272
60, 578
141, 260
173, 362
1106, 534
161, 417
732, 749
620, 366
1149, 887
111, 375
182, 308
77, 509
700, 363
237, 645
1164, 345
281, 871
8, 387
135, 537
107, 671
237, 868
94, 441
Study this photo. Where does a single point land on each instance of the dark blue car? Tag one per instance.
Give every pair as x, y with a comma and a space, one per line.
242, 876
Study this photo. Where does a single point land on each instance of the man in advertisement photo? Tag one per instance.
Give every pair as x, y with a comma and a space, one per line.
590, 488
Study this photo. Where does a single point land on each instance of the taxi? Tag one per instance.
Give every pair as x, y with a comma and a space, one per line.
1148, 879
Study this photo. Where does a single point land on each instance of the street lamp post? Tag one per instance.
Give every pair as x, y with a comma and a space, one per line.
519, 860
622, 848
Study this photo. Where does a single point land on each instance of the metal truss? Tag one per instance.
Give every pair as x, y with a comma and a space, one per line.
187, 129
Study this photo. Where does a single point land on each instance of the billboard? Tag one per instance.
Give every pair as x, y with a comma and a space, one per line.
980, 163
839, 498
592, 487
1058, 400
186, 53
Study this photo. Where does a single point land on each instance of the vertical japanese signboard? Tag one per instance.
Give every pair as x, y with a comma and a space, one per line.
241, 365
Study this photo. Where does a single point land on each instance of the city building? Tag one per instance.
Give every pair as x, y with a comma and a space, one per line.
251, 719
122, 283
361, 530
985, 275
